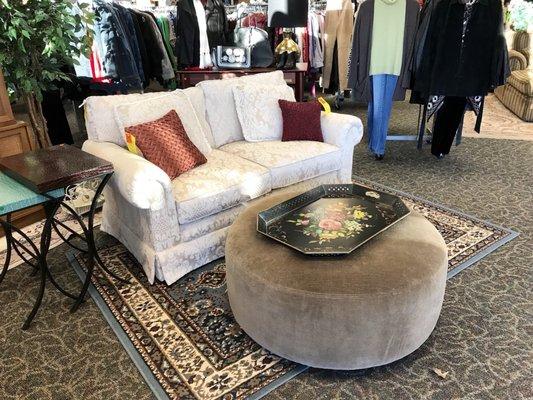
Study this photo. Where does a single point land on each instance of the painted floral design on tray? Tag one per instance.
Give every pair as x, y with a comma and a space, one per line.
334, 221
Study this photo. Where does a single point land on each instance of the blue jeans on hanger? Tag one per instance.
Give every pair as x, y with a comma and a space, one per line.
379, 110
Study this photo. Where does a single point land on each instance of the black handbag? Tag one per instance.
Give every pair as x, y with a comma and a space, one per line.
259, 44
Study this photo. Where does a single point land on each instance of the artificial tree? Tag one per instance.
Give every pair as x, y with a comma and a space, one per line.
38, 38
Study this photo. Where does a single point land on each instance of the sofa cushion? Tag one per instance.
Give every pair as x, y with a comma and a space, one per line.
164, 142
220, 105
301, 121
259, 112
196, 96
100, 119
153, 108
289, 162
100, 116
522, 81
222, 183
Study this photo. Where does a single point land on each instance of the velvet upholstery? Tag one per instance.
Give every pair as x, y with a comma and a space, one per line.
369, 308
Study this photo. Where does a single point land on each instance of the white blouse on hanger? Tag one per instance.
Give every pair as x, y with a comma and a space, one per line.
205, 52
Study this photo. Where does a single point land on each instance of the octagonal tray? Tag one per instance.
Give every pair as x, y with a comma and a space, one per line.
331, 219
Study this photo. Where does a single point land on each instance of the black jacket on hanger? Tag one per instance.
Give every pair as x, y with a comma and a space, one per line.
145, 61
187, 35
153, 49
217, 23
454, 63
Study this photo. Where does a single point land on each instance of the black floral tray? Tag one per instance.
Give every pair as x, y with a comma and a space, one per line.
331, 219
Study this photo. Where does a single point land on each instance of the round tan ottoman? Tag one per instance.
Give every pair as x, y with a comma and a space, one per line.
369, 308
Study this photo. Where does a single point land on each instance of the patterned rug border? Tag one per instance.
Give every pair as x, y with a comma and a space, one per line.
136, 357
151, 379
122, 336
511, 234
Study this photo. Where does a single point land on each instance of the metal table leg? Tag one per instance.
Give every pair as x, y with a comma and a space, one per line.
50, 210
6, 226
92, 251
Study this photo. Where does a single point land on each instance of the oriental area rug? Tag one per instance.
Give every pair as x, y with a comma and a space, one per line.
184, 339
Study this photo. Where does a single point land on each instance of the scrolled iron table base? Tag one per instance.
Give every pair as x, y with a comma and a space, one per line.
39, 253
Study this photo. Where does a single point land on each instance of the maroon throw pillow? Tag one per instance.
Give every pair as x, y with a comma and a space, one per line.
301, 121
165, 143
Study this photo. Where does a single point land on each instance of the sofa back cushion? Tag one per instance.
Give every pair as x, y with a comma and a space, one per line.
165, 143
100, 114
153, 108
196, 96
259, 112
220, 105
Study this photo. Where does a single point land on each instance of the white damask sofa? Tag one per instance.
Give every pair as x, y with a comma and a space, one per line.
173, 227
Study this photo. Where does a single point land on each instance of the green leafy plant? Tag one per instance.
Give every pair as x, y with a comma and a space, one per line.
38, 38
521, 14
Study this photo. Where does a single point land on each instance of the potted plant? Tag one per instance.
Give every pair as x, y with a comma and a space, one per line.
38, 38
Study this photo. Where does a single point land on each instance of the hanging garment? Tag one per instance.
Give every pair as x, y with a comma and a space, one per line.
302, 39
338, 29
187, 35
464, 51
217, 24
145, 62
154, 52
167, 72
359, 68
447, 121
386, 51
56, 118
114, 47
421, 33
131, 37
205, 51
379, 110
172, 30
163, 24
316, 57
256, 20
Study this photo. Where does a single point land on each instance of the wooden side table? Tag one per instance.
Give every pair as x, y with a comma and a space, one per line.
293, 77
44, 174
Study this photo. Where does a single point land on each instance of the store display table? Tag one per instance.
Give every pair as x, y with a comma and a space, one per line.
369, 308
293, 77
41, 177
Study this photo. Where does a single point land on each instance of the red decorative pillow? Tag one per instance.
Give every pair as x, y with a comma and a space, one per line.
165, 143
301, 121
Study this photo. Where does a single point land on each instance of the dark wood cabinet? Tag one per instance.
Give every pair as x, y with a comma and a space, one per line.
293, 77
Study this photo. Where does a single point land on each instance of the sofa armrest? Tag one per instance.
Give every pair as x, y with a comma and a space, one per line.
343, 131
140, 182
517, 60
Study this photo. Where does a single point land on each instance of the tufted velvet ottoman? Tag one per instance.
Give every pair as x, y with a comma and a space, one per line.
369, 308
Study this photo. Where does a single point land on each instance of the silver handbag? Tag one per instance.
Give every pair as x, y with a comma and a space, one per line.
233, 57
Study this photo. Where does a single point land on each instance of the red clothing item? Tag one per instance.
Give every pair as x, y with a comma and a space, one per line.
258, 20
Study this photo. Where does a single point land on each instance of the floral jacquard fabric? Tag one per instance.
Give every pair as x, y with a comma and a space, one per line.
289, 162
220, 104
259, 112
222, 183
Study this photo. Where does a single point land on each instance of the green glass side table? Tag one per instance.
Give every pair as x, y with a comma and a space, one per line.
16, 197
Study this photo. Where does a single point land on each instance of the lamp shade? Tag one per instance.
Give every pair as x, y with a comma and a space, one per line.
287, 13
